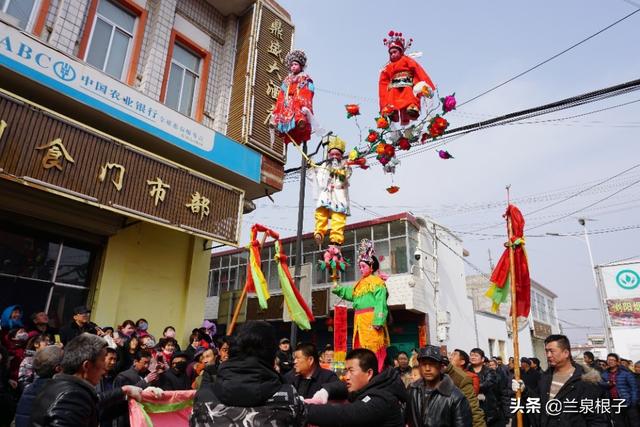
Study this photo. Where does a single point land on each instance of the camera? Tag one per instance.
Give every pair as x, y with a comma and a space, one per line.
417, 255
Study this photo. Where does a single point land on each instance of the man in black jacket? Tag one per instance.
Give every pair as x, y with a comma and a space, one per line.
80, 324
247, 390
176, 378
566, 381
434, 400
489, 389
374, 399
70, 399
307, 376
285, 358
46, 363
138, 374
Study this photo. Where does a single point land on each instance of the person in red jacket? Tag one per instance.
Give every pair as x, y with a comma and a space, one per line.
402, 82
460, 358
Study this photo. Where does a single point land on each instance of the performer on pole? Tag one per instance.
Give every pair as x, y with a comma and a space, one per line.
369, 297
332, 193
293, 112
402, 82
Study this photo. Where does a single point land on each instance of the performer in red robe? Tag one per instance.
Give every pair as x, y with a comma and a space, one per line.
402, 81
293, 111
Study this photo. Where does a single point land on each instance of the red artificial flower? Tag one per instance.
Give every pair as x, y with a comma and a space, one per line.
393, 189
391, 33
440, 123
404, 144
389, 151
382, 123
387, 110
352, 110
424, 137
373, 136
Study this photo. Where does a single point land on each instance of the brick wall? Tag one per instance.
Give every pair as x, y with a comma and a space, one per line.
68, 28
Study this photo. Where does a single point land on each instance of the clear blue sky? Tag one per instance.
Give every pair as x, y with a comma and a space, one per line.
469, 46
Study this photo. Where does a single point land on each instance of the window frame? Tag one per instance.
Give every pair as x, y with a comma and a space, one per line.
37, 17
132, 58
200, 94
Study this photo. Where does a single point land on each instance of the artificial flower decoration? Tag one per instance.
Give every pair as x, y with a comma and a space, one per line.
382, 123
373, 136
424, 137
426, 91
445, 155
389, 151
353, 154
381, 148
404, 144
352, 110
448, 103
393, 189
383, 160
387, 110
360, 162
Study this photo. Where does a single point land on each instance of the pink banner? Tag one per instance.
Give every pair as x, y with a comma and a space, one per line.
171, 409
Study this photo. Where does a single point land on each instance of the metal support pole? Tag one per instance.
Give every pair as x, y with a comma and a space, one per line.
298, 266
605, 323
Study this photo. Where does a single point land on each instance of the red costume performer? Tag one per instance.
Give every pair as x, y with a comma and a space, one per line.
293, 111
402, 81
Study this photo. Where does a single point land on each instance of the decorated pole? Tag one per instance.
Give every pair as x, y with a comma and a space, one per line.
298, 264
514, 317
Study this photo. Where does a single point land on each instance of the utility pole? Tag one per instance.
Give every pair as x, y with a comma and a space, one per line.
298, 265
605, 322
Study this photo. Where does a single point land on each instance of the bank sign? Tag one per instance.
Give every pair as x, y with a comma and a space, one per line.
621, 280
29, 57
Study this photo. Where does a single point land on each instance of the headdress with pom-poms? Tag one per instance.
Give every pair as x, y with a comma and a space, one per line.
366, 251
397, 40
296, 56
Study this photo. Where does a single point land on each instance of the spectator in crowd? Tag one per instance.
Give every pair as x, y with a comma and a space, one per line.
224, 344
590, 361
489, 389
623, 362
460, 359
40, 326
602, 364
142, 327
207, 358
248, 391
530, 376
195, 344
7, 390
106, 386
457, 370
170, 332
25, 371
70, 398
374, 399
128, 353
78, 325
46, 363
620, 383
168, 347
565, 380
11, 319
176, 378
128, 329
535, 364
435, 401
284, 355
503, 391
147, 342
17, 343
307, 376
138, 374
326, 357
404, 370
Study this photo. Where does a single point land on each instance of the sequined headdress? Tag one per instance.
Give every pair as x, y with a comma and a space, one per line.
298, 56
366, 252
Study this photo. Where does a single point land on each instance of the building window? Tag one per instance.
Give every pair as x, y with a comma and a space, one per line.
492, 347
21, 10
44, 273
111, 39
183, 78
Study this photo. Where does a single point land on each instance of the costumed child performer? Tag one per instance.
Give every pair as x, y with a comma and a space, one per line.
369, 297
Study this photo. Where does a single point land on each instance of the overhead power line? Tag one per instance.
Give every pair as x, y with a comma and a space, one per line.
538, 65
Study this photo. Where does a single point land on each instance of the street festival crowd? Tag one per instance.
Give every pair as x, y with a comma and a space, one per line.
83, 375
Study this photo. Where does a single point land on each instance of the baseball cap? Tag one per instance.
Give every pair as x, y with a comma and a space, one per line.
284, 340
430, 352
81, 309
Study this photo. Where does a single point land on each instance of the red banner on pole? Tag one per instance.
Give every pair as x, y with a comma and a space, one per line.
340, 333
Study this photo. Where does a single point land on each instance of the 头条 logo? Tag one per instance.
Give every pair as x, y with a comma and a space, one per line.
628, 279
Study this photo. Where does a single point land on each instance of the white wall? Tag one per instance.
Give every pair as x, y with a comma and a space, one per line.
494, 327
626, 342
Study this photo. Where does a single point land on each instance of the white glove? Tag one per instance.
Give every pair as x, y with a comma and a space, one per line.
481, 397
157, 392
321, 395
517, 385
132, 392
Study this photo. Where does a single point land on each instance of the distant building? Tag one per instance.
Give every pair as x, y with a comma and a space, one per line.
408, 247
595, 344
494, 331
